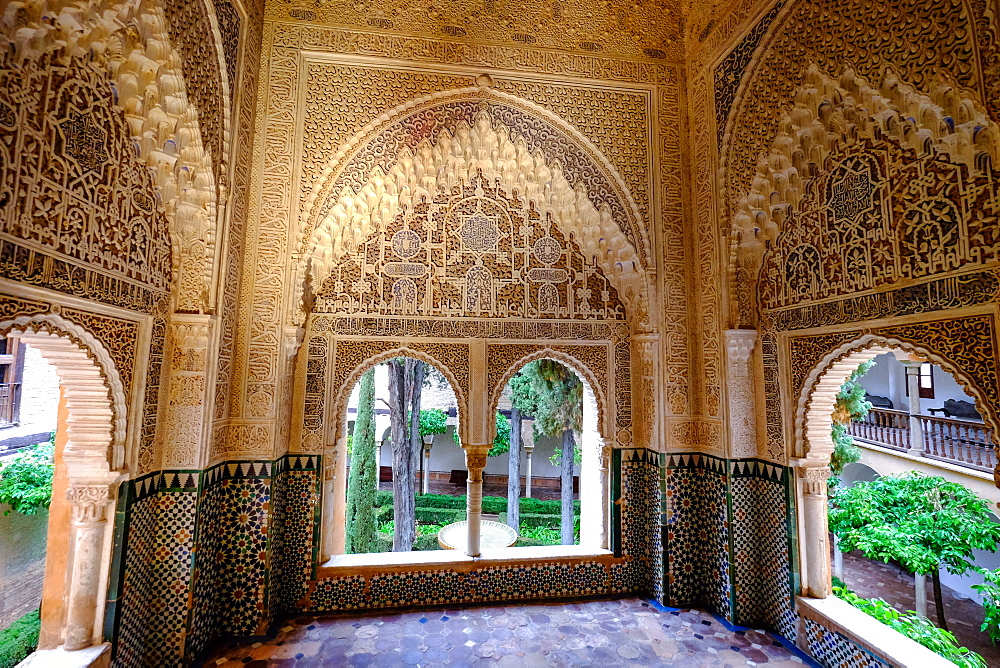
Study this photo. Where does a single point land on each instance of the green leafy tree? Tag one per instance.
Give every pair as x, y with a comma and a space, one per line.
914, 627
553, 395
990, 591
433, 421
922, 522
361, 503
26, 479
849, 406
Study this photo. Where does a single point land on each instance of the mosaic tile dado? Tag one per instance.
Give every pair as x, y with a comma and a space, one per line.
833, 650
242, 546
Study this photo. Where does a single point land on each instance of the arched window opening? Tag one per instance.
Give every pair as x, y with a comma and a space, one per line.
942, 424
406, 476
903, 480
89, 428
554, 475
29, 403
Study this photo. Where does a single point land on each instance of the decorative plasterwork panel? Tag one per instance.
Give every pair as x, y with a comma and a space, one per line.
128, 45
78, 211
472, 250
921, 40
650, 30
518, 139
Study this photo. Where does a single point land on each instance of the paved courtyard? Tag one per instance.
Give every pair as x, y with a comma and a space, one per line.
624, 632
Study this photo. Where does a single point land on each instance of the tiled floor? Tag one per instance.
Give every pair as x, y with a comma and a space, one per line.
874, 579
625, 632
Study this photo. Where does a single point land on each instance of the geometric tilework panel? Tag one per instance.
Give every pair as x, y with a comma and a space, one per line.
696, 536
300, 486
641, 515
761, 565
156, 580
209, 566
833, 650
245, 500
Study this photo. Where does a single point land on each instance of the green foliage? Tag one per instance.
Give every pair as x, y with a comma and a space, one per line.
26, 479
552, 394
922, 522
433, 421
501, 443
361, 496
19, 639
849, 406
491, 504
990, 591
439, 515
914, 627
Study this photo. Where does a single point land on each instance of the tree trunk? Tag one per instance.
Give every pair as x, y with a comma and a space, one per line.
360, 526
402, 460
415, 371
938, 598
568, 445
514, 472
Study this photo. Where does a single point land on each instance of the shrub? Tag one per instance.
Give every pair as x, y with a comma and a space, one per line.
19, 639
534, 520
26, 479
914, 627
439, 515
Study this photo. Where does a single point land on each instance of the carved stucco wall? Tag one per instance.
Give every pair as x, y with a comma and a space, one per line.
629, 124
917, 115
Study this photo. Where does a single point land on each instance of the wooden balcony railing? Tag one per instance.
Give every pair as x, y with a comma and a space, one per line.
960, 441
886, 427
965, 442
9, 394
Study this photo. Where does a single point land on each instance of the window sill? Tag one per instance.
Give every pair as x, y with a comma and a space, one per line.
342, 564
862, 629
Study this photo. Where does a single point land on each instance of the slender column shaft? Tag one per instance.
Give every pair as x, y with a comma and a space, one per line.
427, 469
920, 591
89, 503
816, 530
475, 459
527, 473
913, 389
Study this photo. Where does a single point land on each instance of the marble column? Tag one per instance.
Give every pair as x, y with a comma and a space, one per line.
89, 503
913, 389
815, 530
475, 462
592, 480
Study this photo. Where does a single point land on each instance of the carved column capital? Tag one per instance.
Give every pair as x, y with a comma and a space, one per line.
90, 502
814, 479
739, 348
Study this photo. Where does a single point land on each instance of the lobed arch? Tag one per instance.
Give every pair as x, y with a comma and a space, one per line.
582, 371
95, 396
855, 34
435, 142
343, 393
132, 41
830, 113
816, 398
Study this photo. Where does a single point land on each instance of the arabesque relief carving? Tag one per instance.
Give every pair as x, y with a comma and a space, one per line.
127, 45
866, 188
636, 30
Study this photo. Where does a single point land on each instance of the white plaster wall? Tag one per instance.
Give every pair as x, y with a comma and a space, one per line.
39, 393
888, 379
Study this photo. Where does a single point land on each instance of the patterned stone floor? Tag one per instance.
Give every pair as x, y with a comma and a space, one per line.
625, 632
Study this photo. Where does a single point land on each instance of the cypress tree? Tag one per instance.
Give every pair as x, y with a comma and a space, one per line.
360, 522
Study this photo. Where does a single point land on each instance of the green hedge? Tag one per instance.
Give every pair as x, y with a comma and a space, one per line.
19, 640
491, 504
536, 520
439, 515
422, 543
